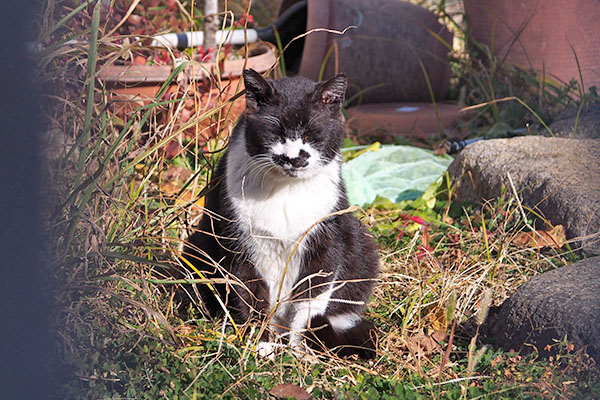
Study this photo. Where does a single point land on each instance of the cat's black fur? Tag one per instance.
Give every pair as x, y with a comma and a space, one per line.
340, 246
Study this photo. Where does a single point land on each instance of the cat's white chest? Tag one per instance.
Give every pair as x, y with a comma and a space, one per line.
285, 210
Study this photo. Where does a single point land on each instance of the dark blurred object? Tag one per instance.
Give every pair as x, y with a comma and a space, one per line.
290, 24
26, 350
453, 146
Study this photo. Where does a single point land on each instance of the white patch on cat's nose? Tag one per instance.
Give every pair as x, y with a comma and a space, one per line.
295, 156
291, 148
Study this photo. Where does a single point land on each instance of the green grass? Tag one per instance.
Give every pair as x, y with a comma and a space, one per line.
118, 230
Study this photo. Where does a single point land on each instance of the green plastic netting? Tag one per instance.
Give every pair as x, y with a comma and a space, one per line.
395, 172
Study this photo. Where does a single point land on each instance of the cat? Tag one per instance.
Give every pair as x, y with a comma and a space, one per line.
280, 178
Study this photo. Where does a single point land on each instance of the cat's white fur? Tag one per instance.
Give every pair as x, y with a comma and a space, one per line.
274, 211
341, 322
291, 148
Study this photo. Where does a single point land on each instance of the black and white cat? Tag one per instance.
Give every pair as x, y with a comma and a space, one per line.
279, 179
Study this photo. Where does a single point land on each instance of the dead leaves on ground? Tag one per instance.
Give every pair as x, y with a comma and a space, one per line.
419, 343
287, 390
174, 185
537, 239
172, 182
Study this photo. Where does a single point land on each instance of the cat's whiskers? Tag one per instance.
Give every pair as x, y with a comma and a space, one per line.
273, 120
258, 165
265, 170
270, 168
255, 167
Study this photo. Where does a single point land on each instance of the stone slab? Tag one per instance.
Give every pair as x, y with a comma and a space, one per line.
561, 177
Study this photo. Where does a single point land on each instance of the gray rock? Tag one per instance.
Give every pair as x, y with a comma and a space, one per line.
560, 177
588, 126
558, 303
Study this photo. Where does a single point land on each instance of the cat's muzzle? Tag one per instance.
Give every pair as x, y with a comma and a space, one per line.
290, 165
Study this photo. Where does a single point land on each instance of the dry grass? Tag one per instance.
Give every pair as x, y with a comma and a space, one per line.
119, 215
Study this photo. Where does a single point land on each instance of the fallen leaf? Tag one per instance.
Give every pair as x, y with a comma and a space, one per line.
172, 149
176, 175
288, 390
170, 188
497, 361
439, 336
538, 239
437, 320
440, 151
448, 220
185, 115
172, 181
185, 330
421, 343
186, 197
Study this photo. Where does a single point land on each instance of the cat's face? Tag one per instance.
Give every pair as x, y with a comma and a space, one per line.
294, 126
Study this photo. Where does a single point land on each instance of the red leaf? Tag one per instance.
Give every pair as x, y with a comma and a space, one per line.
172, 150
417, 220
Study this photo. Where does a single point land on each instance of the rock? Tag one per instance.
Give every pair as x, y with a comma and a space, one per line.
560, 177
588, 126
558, 303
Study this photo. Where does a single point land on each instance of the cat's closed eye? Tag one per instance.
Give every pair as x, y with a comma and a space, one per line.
308, 135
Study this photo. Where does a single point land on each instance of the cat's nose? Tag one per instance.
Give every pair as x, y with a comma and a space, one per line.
296, 162
302, 160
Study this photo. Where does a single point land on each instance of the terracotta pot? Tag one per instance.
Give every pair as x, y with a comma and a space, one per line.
127, 98
390, 41
134, 85
261, 59
539, 34
404, 119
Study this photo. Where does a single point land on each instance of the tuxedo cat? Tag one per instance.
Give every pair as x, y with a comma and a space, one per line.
274, 220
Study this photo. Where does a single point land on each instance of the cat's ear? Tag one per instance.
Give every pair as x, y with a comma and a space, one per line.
332, 91
258, 90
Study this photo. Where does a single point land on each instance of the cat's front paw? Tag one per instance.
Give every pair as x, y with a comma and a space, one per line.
268, 349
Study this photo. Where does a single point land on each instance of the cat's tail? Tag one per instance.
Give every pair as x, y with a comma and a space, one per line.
359, 339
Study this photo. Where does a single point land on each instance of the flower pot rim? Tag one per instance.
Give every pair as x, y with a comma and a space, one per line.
136, 73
